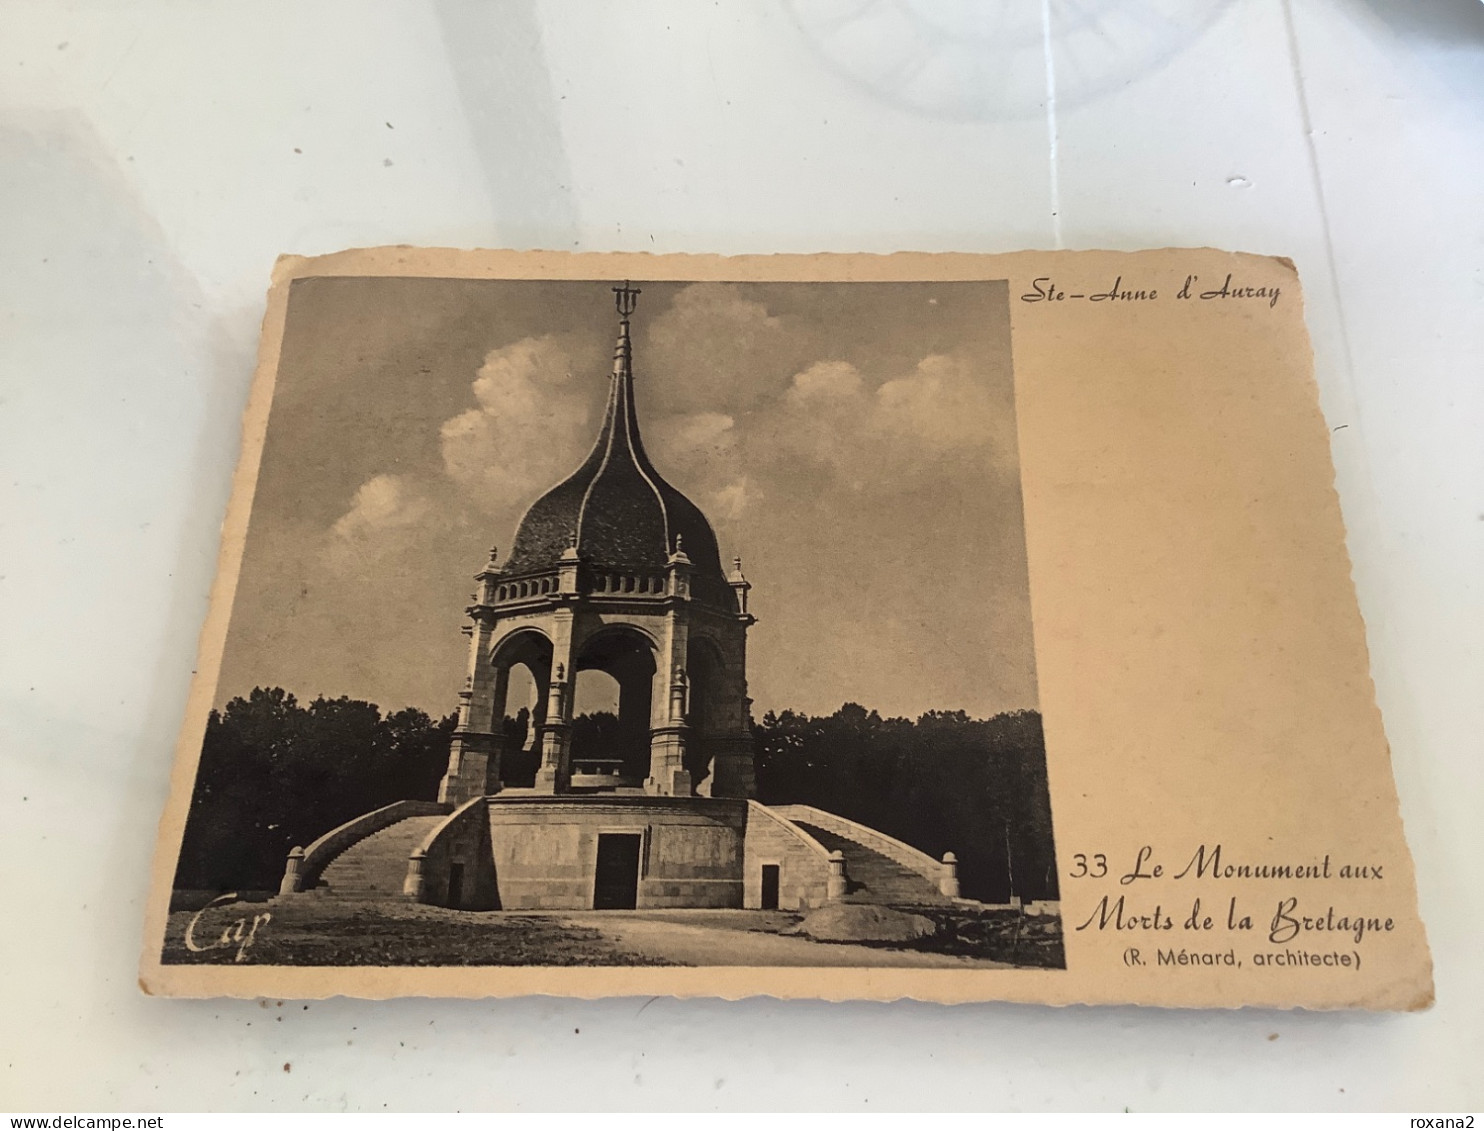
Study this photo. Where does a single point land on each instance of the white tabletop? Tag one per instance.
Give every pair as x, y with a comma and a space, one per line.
155, 157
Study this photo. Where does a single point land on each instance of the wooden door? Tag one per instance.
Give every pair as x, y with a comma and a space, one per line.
617, 884
771, 874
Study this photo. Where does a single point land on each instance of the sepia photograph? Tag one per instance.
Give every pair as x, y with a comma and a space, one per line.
611, 623
815, 556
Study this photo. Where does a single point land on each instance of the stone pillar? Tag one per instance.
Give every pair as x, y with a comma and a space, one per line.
567, 566
469, 771
838, 882
732, 770
555, 734
948, 879
489, 577
293, 872
555, 774
415, 886
541, 676
668, 776
474, 758
668, 733
740, 586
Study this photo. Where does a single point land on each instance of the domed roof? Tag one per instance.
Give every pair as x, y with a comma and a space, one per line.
617, 510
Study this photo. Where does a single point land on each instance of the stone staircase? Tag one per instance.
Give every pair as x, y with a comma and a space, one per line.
376, 867
875, 878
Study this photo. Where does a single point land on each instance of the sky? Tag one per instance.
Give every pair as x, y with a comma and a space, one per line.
854, 443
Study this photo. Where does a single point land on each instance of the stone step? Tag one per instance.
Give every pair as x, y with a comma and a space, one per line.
876, 878
376, 866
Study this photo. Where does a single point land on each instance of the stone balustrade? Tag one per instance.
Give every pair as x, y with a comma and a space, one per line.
943, 874
627, 584
304, 865
463, 838
525, 589
598, 584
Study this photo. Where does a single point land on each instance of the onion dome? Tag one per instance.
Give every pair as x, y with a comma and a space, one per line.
616, 510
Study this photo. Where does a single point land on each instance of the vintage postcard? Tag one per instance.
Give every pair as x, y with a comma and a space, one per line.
947, 627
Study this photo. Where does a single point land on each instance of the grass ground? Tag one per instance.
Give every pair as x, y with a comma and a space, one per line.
1003, 935
313, 932
328, 932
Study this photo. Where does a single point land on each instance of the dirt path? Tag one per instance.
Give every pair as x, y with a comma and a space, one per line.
712, 943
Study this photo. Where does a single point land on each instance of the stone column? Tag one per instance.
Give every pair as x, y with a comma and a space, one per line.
567, 567
469, 770
668, 732
732, 771
468, 758
668, 776
555, 774
540, 676
478, 739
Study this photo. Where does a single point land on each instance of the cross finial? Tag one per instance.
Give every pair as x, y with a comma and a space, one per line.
625, 298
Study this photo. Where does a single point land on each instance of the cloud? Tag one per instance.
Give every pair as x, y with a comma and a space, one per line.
940, 408
819, 419
698, 453
684, 434
532, 423
827, 434
729, 503
532, 420
943, 406
831, 427
717, 349
387, 515
840, 442
825, 381
383, 502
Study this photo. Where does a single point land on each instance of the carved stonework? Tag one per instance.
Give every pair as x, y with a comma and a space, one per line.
609, 572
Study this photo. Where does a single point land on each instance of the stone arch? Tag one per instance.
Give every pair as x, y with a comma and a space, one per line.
582, 641
520, 727
625, 653
525, 636
530, 649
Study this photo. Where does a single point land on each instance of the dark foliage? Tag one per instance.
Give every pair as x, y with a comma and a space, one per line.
946, 782
602, 734
274, 774
518, 765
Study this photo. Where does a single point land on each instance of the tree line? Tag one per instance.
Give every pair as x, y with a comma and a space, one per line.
943, 782
275, 773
